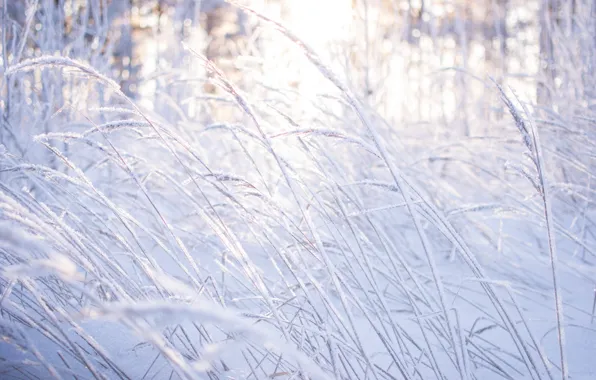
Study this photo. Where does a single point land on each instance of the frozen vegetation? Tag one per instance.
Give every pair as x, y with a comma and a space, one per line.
332, 189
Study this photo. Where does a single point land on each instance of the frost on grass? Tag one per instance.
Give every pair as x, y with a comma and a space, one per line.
229, 221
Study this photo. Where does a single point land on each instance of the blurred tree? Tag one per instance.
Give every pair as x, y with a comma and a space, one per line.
226, 29
549, 20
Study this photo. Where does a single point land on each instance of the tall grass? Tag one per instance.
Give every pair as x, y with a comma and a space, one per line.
258, 232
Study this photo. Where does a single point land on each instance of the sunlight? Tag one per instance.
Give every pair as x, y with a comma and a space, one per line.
319, 22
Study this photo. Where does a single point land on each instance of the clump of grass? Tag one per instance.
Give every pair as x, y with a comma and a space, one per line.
278, 246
